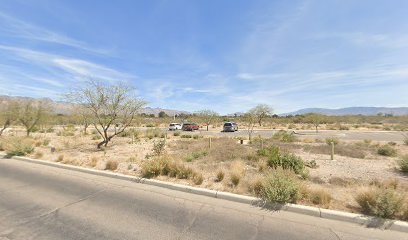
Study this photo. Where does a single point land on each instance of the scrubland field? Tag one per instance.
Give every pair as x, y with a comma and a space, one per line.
365, 176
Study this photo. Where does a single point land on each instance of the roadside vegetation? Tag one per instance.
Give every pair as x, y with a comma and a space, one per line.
366, 176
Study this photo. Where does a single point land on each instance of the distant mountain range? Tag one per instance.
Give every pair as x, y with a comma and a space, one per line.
60, 107
367, 111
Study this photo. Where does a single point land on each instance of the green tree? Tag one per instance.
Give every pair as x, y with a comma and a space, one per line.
8, 114
30, 113
162, 114
112, 107
207, 116
261, 111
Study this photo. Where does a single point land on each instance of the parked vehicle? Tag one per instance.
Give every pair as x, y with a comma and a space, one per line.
190, 127
175, 126
230, 127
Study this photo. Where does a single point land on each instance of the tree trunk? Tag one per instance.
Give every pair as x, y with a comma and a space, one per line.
28, 132
85, 128
316, 129
207, 127
104, 142
2, 130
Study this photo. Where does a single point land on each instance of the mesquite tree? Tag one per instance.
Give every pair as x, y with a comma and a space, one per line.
207, 116
261, 111
8, 114
30, 113
112, 106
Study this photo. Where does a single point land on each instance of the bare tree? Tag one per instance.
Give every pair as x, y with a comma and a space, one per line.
30, 113
251, 119
315, 119
85, 117
261, 111
112, 107
207, 116
8, 114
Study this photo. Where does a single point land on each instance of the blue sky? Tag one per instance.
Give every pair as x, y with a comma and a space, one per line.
224, 55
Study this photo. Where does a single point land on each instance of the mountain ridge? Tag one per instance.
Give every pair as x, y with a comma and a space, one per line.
366, 111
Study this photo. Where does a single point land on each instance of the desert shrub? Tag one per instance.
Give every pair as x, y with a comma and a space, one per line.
46, 142
332, 140
237, 172
96, 137
311, 164
342, 127
286, 160
165, 166
93, 162
19, 147
198, 178
155, 167
38, 154
149, 125
339, 181
60, 158
305, 174
111, 165
66, 133
386, 150
220, 176
159, 148
404, 212
177, 170
392, 143
284, 136
196, 155
403, 164
320, 197
49, 130
281, 187
38, 143
380, 202
256, 186
176, 133
235, 178
317, 180
186, 136
406, 141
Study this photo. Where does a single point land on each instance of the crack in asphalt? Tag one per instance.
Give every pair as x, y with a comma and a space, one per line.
335, 234
258, 224
191, 224
9, 231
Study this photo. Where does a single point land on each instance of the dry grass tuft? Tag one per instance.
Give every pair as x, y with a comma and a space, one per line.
320, 197
111, 165
93, 162
38, 154
220, 176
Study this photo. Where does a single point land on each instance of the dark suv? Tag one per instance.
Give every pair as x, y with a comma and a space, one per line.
190, 127
230, 127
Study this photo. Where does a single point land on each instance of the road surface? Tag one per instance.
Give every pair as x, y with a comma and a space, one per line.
42, 202
342, 135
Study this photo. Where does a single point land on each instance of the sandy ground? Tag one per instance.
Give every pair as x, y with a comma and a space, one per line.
342, 177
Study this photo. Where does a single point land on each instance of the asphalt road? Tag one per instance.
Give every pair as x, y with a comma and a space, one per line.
342, 135
42, 202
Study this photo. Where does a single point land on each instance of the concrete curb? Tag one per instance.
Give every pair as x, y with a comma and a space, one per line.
301, 209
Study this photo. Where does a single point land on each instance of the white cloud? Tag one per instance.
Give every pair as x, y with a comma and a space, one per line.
385, 40
72, 68
17, 28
